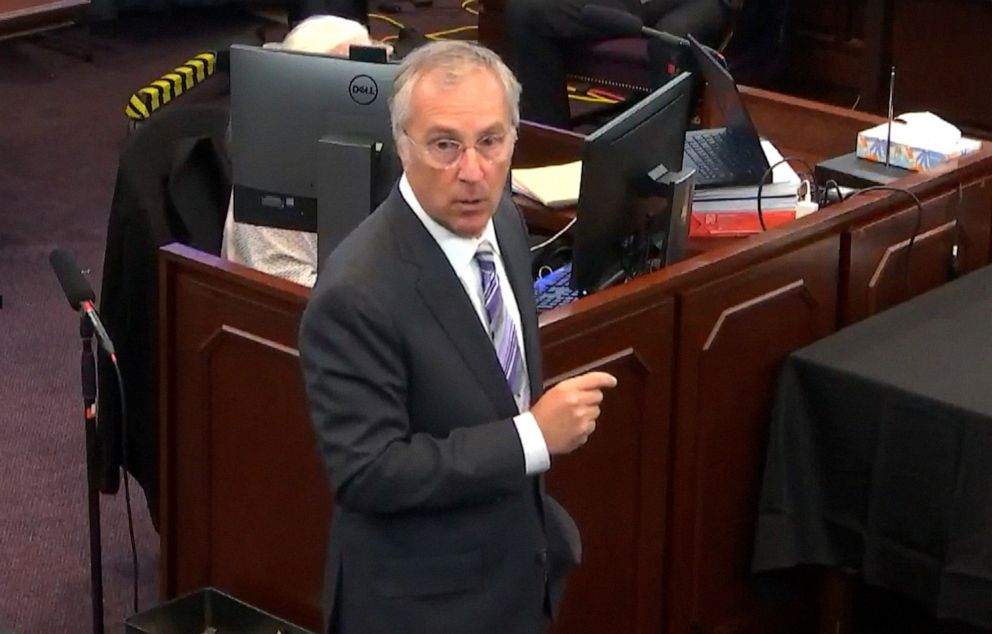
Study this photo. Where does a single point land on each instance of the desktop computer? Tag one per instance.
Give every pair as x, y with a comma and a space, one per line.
634, 198
311, 142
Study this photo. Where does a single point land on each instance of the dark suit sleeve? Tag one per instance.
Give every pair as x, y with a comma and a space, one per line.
356, 380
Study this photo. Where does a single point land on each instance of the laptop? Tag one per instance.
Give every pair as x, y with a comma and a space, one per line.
729, 156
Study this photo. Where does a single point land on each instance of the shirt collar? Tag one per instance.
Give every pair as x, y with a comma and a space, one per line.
459, 251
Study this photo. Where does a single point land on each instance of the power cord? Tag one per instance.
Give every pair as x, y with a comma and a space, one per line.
440, 35
833, 185
436, 35
916, 226
127, 489
538, 247
577, 95
825, 200
388, 20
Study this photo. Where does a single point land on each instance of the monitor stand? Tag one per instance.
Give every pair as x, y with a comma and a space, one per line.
345, 166
679, 189
659, 221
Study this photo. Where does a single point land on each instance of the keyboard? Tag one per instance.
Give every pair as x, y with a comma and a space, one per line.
720, 160
553, 290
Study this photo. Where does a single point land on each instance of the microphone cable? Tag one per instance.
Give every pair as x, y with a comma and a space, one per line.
127, 489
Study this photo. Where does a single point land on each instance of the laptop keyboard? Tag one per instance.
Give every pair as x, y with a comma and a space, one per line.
720, 160
553, 290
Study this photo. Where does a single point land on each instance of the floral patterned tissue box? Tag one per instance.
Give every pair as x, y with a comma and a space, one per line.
912, 149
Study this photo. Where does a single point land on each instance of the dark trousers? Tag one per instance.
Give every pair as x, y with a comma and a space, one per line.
541, 34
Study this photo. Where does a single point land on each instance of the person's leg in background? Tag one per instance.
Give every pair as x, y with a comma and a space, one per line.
539, 34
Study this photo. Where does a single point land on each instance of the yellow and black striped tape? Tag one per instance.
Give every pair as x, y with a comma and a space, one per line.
150, 98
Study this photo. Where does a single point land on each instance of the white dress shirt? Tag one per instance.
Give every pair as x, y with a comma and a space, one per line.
460, 253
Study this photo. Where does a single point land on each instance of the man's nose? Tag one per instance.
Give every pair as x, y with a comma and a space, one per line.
470, 165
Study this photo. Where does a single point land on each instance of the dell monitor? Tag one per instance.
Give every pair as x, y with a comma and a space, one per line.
634, 200
311, 143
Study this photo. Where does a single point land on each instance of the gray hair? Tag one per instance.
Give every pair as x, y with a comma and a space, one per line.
456, 57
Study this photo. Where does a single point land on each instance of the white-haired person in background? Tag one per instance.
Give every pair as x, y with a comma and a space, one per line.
285, 253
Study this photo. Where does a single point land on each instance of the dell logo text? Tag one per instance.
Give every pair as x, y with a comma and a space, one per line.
363, 90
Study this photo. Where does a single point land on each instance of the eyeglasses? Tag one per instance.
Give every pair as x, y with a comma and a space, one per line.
444, 153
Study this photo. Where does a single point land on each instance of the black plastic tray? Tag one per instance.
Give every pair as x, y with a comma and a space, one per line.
208, 611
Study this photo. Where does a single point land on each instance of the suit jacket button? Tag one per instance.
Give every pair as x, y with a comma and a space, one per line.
542, 557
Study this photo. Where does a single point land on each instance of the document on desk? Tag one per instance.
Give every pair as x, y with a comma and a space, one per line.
552, 186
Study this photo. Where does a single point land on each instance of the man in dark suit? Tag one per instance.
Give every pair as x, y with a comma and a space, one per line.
421, 358
541, 33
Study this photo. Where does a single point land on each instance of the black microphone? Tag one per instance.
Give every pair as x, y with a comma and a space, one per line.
79, 293
617, 23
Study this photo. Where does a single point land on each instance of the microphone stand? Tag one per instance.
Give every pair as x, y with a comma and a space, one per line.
88, 376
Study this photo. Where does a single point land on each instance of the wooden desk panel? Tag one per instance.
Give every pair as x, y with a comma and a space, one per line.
617, 486
242, 480
734, 332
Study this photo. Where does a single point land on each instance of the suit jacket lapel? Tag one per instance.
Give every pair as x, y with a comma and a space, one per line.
445, 297
511, 234
199, 186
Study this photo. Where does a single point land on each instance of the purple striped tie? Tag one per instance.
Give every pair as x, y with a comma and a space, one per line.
502, 328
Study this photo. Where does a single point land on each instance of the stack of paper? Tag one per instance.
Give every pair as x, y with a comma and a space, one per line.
552, 186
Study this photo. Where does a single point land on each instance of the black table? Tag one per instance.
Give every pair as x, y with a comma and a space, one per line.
880, 453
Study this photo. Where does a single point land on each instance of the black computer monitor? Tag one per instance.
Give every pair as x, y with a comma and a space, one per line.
631, 172
311, 144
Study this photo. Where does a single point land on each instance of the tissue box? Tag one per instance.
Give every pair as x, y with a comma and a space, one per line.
911, 155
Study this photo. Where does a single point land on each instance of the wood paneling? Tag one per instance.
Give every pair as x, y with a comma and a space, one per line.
624, 472
943, 60
841, 51
827, 45
237, 464
733, 335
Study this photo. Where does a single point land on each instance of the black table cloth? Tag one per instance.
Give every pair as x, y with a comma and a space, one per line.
880, 453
